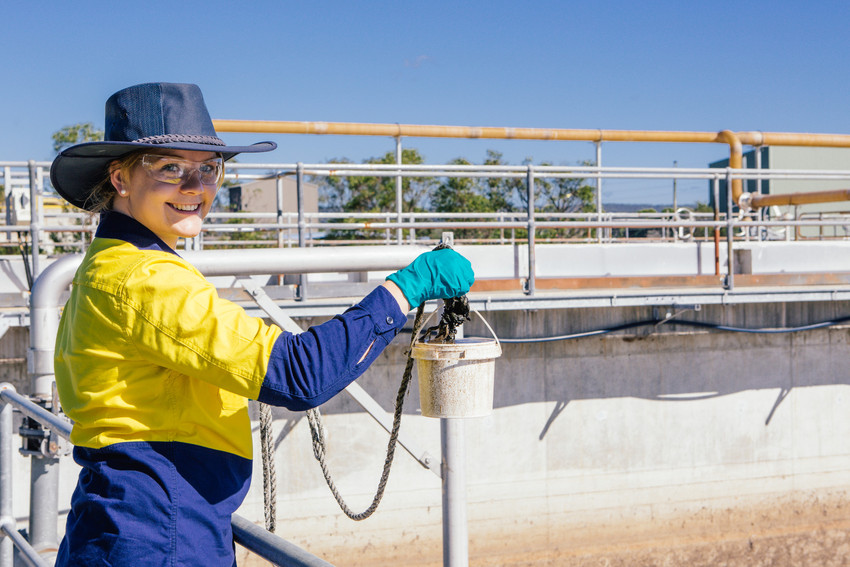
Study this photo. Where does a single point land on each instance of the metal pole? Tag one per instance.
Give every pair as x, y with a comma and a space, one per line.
398, 192
34, 220
716, 191
455, 525
302, 223
531, 228
675, 196
599, 191
730, 258
6, 455
279, 197
44, 325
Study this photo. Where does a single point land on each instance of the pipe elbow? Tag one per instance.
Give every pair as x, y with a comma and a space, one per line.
736, 160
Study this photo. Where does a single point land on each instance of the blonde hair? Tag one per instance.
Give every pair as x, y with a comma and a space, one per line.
102, 195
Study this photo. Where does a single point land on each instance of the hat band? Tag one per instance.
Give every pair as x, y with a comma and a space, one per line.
174, 138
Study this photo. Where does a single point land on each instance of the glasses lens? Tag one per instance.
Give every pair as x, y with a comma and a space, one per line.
170, 169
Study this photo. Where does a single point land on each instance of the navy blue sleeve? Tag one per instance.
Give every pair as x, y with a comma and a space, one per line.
308, 369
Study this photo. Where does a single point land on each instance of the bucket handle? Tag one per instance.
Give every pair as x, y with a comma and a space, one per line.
492, 332
480, 316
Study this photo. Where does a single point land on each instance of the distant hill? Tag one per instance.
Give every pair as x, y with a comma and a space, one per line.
630, 207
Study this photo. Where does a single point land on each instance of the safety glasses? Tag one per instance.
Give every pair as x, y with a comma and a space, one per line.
175, 170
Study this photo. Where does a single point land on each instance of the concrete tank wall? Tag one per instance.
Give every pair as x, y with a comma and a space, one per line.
662, 442
660, 445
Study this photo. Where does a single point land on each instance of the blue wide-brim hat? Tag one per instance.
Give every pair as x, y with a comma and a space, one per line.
151, 115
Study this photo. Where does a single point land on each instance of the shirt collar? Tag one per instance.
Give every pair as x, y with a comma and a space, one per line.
122, 227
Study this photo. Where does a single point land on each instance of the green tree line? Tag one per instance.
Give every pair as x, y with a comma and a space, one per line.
375, 194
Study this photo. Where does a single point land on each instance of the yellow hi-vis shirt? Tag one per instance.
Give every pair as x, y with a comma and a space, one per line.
147, 351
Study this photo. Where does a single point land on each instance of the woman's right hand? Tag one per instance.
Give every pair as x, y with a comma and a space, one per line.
438, 274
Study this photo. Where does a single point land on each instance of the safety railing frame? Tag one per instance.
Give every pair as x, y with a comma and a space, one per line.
302, 222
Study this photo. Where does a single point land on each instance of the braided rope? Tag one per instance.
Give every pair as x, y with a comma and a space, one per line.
318, 433
174, 138
269, 476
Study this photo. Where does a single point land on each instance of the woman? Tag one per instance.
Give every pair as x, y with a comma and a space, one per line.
156, 370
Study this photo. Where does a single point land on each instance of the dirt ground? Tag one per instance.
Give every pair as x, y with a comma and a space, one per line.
787, 534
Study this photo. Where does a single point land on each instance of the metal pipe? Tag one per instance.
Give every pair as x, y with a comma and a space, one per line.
271, 547
398, 189
474, 132
302, 260
59, 424
599, 191
736, 161
730, 259
26, 552
35, 209
278, 185
531, 228
44, 325
453, 474
716, 190
455, 536
757, 201
6, 487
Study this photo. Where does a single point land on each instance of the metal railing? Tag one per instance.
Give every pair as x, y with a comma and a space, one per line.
254, 538
48, 228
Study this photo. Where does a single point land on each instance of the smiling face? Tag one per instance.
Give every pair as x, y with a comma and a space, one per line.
169, 210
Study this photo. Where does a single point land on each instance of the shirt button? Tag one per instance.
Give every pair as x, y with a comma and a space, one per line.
389, 320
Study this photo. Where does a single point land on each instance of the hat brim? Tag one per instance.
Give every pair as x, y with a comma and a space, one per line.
76, 170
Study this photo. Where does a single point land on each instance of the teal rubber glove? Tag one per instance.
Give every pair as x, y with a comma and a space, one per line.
438, 274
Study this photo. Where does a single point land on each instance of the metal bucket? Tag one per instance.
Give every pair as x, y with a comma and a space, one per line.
456, 379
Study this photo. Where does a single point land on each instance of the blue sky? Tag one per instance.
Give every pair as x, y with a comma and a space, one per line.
771, 66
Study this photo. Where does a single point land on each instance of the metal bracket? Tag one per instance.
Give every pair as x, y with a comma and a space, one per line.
668, 315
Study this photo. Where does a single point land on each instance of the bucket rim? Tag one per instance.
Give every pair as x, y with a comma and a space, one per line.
472, 348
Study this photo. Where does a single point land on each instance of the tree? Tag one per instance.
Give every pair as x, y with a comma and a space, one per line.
373, 194
503, 193
462, 194
76, 134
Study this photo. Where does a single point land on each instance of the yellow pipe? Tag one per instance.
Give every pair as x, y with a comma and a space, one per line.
734, 140
433, 131
736, 160
800, 198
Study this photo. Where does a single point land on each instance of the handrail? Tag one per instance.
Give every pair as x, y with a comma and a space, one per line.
250, 536
734, 140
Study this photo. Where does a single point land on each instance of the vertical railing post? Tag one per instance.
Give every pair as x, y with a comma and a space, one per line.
730, 234
529, 180
6, 455
398, 191
715, 185
302, 223
279, 199
35, 227
599, 230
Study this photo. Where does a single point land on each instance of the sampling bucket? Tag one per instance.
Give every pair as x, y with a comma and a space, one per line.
456, 379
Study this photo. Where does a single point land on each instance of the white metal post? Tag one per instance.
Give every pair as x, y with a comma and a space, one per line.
398, 188
455, 526
529, 181
599, 191
6, 513
35, 211
455, 534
